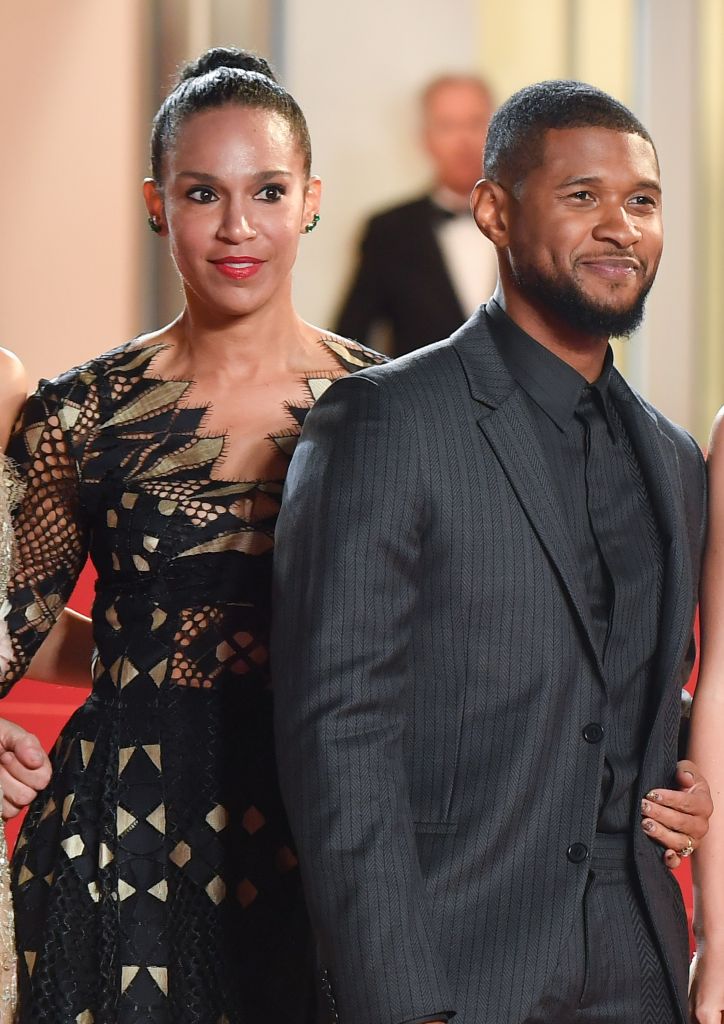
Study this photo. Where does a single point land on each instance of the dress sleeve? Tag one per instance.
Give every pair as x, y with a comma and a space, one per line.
50, 532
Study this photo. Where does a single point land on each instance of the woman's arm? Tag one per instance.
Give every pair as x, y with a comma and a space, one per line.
65, 657
24, 765
707, 729
51, 534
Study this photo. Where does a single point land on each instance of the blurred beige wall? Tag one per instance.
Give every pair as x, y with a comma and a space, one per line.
707, 210
72, 80
182, 30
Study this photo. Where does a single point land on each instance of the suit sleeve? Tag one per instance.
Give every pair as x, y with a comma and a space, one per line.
346, 584
365, 304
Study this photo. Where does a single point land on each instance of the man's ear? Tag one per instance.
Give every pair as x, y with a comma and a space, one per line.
490, 204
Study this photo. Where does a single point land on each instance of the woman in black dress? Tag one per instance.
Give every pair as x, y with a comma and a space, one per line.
155, 879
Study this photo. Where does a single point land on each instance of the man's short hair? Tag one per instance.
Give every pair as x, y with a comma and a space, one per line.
517, 130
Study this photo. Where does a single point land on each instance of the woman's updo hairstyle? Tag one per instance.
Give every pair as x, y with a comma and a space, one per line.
224, 75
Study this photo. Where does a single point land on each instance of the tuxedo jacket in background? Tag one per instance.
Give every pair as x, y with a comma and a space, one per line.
402, 281
434, 668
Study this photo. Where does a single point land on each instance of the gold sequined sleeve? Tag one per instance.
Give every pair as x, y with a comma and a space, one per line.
50, 535
10, 492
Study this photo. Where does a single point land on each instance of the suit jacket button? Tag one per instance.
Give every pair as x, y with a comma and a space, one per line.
593, 732
577, 853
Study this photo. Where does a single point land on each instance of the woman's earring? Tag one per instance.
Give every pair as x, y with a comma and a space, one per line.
312, 225
154, 225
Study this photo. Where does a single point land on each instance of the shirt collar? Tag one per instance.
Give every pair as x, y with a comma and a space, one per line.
551, 383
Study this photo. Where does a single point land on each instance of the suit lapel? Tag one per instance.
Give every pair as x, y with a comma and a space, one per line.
505, 421
659, 464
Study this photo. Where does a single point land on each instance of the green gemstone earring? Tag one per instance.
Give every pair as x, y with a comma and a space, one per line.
154, 225
311, 226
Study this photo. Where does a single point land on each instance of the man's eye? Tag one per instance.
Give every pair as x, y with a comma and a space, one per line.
583, 194
643, 201
202, 194
271, 193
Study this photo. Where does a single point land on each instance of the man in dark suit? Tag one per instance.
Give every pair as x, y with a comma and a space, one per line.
486, 566
422, 270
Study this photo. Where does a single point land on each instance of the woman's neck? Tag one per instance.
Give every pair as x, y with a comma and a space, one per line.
265, 344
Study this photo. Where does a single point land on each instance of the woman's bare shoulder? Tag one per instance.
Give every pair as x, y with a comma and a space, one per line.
13, 392
715, 463
13, 378
717, 430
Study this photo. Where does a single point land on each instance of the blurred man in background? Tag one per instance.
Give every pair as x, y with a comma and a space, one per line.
422, 270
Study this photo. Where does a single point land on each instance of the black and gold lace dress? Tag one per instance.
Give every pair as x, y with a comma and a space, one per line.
155, 880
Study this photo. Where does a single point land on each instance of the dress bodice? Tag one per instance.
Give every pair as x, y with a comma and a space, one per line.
120, 466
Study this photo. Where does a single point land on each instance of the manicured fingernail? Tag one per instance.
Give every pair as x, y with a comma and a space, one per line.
653, 795
645, 806
648, 825
687, 772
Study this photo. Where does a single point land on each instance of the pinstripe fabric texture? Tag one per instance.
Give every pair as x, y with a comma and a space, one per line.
605, 505
609, 971
434, 666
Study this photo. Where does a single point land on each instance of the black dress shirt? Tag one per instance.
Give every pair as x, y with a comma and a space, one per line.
606, 507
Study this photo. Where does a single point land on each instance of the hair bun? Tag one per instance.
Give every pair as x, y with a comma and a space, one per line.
226, 57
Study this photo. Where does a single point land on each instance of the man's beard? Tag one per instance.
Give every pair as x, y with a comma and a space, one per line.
567, 300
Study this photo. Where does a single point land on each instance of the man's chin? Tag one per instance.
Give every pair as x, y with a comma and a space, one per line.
615, 310
600, 318
609, 320
596, 313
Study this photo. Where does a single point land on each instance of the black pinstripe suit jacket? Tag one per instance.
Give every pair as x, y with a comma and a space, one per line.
434, 669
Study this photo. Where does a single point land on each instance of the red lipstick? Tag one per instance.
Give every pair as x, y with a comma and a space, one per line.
238, 268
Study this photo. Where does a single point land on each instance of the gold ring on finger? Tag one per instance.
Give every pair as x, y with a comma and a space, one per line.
688, 849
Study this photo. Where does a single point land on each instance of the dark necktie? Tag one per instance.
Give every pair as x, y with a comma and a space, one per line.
602, 511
